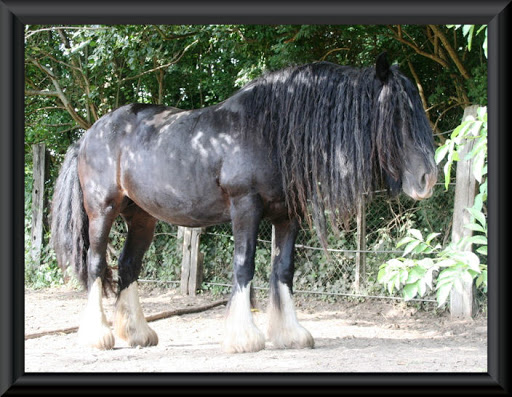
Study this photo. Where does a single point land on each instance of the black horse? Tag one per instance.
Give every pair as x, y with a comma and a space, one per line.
305, 142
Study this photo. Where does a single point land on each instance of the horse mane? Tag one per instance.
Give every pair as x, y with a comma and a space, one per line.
335, 134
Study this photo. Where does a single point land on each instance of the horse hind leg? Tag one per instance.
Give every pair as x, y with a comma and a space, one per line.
94, 330
284, 330
130, 323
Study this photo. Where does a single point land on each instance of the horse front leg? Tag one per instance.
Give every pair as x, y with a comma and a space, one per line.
241, 334
284, 330
130, 323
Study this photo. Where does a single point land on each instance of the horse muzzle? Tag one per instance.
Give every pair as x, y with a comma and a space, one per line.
428, 181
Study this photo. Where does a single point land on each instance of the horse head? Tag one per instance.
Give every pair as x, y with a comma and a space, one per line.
404, 136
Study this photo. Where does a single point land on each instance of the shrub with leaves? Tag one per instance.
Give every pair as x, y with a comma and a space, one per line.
423, 262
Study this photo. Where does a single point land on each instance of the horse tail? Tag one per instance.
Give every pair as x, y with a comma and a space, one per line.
69, 221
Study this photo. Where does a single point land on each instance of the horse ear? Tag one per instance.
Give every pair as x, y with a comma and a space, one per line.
382, 67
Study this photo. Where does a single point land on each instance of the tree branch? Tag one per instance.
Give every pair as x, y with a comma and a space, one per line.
420, 91
45, 108
453, 55
334, 50
60, 94
399, 37
30, 33
174, 36
41, 92
175, 60
77, 66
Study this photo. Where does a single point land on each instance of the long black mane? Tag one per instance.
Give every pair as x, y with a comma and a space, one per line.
337, 133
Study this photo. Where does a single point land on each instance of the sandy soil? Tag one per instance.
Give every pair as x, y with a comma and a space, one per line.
370, 336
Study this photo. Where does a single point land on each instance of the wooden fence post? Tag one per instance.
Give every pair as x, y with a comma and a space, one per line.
361, 247
192, 261
40, 166
462, 298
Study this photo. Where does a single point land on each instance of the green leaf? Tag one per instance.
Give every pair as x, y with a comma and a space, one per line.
447, 173
431, 236
410, 291
482, 110
475, 128
426, 263
404, 274
394, 281
422, 248
405, 240
443, 293
477, 215
448, 274
478, 165
422, 287
395, 263
482, 280
446, 262
482, 250
456, 132
474, 226
416, 273
462, 130
467, 29
416, 233
428, 277
479, 202
441, 153
411, 246
482, 240
381, 276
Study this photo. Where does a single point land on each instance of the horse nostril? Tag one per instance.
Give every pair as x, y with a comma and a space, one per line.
428, 180
424, 179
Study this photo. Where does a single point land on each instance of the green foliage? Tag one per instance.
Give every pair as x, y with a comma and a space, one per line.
48, 274
470, 129
477, 86
414, 272
469, 33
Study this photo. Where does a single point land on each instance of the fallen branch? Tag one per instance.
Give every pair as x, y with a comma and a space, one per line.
153, 317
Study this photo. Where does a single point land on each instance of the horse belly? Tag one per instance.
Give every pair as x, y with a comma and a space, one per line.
179, 199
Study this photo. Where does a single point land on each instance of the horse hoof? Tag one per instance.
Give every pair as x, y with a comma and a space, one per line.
135, 333
292, 338
102, 339
144, 337
129, 323
245, 342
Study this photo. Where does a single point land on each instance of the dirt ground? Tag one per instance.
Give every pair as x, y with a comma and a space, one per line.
370, 336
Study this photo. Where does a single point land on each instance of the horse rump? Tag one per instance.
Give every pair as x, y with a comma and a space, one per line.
69, 221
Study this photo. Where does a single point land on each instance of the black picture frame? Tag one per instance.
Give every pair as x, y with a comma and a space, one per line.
15, 14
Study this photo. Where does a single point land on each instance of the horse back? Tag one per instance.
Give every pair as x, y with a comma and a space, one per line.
180, 166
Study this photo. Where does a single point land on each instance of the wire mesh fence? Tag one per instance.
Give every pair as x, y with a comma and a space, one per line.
316, 271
